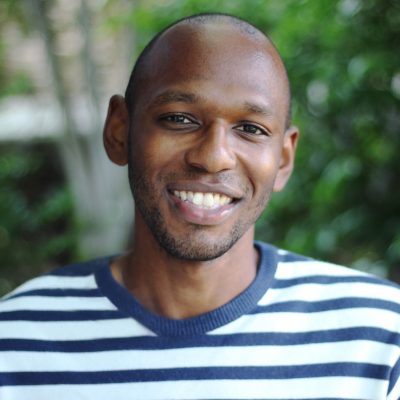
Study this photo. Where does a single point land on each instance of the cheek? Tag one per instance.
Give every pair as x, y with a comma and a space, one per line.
152, 152
261, 168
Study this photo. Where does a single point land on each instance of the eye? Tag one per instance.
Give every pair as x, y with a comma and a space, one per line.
177, 119
252, 129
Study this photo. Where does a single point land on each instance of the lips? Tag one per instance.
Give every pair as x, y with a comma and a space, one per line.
203, 203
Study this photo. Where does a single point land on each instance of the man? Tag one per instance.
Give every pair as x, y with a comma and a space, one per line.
196, 309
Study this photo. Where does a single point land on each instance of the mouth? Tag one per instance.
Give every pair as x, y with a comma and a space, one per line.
200, 206
204, 200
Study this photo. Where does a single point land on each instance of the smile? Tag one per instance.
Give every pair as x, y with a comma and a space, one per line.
206, 200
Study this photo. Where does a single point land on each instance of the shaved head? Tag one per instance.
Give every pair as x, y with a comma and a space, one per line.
188, 28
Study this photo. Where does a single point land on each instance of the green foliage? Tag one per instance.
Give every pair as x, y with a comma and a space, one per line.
343, 202
13, 82
18, 84
35, 214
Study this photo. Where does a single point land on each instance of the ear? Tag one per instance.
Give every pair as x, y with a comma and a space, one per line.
290, 139
116, 130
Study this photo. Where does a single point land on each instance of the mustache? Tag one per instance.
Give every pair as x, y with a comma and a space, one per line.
138, 177
223, 177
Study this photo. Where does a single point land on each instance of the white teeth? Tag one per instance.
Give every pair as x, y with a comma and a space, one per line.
224, 200
198, 199
204, 200
208, 200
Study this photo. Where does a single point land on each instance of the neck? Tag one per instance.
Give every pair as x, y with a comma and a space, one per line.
179, 289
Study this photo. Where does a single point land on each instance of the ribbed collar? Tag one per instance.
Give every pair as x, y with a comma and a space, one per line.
242, 304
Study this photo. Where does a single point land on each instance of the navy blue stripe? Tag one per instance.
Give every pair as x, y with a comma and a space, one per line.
328, 305
234, 340
329, 280
293, 257
288, 306
84, 315
394, 376
58, 293
374, 371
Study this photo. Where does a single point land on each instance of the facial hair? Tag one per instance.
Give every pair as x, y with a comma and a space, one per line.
196, 244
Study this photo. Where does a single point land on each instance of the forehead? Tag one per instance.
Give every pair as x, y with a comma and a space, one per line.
202, 47
219, 54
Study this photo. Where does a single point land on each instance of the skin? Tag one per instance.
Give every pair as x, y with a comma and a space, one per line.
209, 116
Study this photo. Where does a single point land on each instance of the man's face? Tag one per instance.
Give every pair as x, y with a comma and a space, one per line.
207, 135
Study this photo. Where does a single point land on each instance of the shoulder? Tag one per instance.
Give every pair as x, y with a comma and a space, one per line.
70, 280
295, 266
309, 279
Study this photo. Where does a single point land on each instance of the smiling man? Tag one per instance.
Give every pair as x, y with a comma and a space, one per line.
207, 142
196, 309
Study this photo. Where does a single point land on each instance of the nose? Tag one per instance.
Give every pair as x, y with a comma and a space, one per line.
212, 151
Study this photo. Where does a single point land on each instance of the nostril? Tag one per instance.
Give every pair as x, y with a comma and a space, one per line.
212, 153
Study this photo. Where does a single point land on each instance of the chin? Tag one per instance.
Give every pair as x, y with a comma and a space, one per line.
196, 246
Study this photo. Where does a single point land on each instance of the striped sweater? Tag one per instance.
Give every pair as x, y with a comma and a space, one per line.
303, 329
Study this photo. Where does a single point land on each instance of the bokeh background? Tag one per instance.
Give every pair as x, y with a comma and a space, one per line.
61, 200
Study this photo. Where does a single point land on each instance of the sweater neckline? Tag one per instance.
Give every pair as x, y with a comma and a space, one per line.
242, 304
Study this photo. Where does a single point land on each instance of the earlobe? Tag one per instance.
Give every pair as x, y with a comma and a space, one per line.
290, 139
116, 129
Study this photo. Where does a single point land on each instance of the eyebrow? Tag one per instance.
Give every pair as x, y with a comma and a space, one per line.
257, 109
176, 96
172, 96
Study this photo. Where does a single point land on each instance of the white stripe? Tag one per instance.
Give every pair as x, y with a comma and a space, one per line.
310, 388
317, 292
72, 330
282, 252
298, 269
57, 282
305, 292
305, 322
258, 356
67, 303
268, 322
